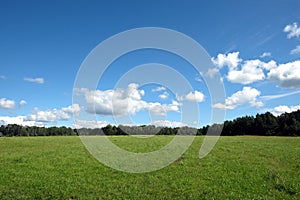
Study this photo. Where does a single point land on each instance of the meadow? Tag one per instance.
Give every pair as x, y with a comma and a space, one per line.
239, 167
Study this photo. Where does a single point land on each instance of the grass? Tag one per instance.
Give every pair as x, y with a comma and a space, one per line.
237, 168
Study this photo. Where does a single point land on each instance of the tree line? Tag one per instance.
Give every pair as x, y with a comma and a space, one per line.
287, 124
18, 130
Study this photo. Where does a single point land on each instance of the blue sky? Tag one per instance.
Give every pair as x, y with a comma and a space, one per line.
254, 45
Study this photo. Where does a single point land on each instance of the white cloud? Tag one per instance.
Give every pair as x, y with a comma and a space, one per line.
277, 96
22, 103
114, 102
165, 95
245, 72
2, 77
35, 80
166, 123
90, 124
265, 54
53, 115
162, 109
42, 118
269, 65
284, 109
158, 89
296, 50
122, 102
20, 120
72, 109
7, 103
251, 71
195, 96
288, 75
246, 96
293, 30
231, 60
198, 79
212, 72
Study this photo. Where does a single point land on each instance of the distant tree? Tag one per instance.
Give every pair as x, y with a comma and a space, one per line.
287, 124
109, 130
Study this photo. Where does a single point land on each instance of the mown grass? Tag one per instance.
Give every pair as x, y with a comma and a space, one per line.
237, 168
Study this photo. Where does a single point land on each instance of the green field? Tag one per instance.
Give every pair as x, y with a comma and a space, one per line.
237, 168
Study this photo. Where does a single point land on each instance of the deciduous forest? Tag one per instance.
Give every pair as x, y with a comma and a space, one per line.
266, 124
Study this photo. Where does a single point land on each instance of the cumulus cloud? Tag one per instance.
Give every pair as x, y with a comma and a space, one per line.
231, 60
122, 102
20, 120
162, 109
72, 109
246, 96
164, 95
288, 75
35, 80
90, 124
293, 30
268, 65
296, 50
53, 115
284, 109
167, 123
212, 72
42, 118
195, 96
243, 72
158, 89
114, 102
265, 54
22, 103
250, 72
10, 104
7, 103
